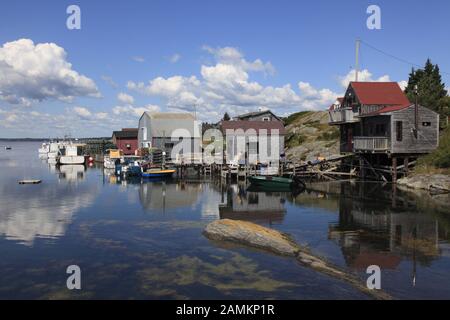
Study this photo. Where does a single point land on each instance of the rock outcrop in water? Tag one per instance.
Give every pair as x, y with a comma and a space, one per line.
256, 236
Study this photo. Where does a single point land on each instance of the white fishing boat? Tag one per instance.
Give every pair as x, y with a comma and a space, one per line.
71, 154
44, 149
53, 151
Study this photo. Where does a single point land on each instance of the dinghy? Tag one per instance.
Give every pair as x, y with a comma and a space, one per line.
275, 183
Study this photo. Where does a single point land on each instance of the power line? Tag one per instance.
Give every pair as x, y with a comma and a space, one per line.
395, 57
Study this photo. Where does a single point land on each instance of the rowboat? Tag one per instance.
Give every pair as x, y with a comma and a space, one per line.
275, 183
158, 173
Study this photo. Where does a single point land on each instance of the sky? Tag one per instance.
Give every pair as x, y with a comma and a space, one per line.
206, 57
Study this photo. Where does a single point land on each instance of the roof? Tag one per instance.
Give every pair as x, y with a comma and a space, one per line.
255, 113
166, 124
170, 115
256, 125
380, 93
340, 100
126, 133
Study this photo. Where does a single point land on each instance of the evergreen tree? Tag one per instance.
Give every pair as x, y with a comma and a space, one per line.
226, 117
431, 89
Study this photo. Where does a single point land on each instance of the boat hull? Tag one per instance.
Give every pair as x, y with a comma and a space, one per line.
270, 181
158, 174
71, 160
276, 183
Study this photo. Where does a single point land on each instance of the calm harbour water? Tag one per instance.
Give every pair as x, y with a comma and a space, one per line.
143, 240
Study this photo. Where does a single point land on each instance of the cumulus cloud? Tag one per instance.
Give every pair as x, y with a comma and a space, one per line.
226, 86
36, 72
363, 76
134, 111
125, 98
233, 56
86, 114
403, 84
82, 112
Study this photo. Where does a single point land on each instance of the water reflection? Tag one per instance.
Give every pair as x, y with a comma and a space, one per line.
72, 173
164, 195
43, 212
239, 203
381, 227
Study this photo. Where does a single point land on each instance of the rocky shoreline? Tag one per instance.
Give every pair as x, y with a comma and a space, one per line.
434, 183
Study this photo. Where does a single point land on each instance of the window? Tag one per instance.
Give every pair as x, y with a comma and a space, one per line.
399, 130
128, 146
266, 119
426, 124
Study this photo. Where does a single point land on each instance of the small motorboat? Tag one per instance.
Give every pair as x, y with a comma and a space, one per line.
158, 173
274, 183
8, 148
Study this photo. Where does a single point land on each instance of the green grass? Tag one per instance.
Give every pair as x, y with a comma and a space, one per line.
439, 160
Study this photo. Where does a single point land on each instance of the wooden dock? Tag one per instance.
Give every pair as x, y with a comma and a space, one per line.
30, 181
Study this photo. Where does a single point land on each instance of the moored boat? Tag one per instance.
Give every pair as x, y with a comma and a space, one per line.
72, 154
44, 149
112, 158
158, 173
275, 183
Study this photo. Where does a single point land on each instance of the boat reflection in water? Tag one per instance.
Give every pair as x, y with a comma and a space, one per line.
171, 194
71, 172
241, 203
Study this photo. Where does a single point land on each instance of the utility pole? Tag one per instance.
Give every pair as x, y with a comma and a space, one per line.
416, 111
358, 43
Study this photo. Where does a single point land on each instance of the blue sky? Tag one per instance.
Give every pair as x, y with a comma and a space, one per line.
212, 56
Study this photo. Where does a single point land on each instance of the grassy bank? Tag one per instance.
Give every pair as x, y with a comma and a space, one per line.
439, 160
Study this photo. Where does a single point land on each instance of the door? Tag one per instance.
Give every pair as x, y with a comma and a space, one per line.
350, 139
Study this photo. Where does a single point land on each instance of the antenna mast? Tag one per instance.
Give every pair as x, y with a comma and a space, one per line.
358, 43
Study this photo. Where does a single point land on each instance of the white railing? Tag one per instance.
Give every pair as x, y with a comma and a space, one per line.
367, 109
188, 158
371, 144
342, 115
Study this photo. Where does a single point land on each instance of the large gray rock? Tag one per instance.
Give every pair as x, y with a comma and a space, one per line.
256, 236
251, 234
432, 182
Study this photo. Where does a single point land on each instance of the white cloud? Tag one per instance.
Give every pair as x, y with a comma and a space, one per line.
82, 112
36, 72
403, 84
226, 86
125, 98
232, 56
363, 76
312, 98
138, 59
174, 58
134, 111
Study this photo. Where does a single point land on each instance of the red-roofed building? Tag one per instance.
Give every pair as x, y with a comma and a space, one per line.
377, 117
